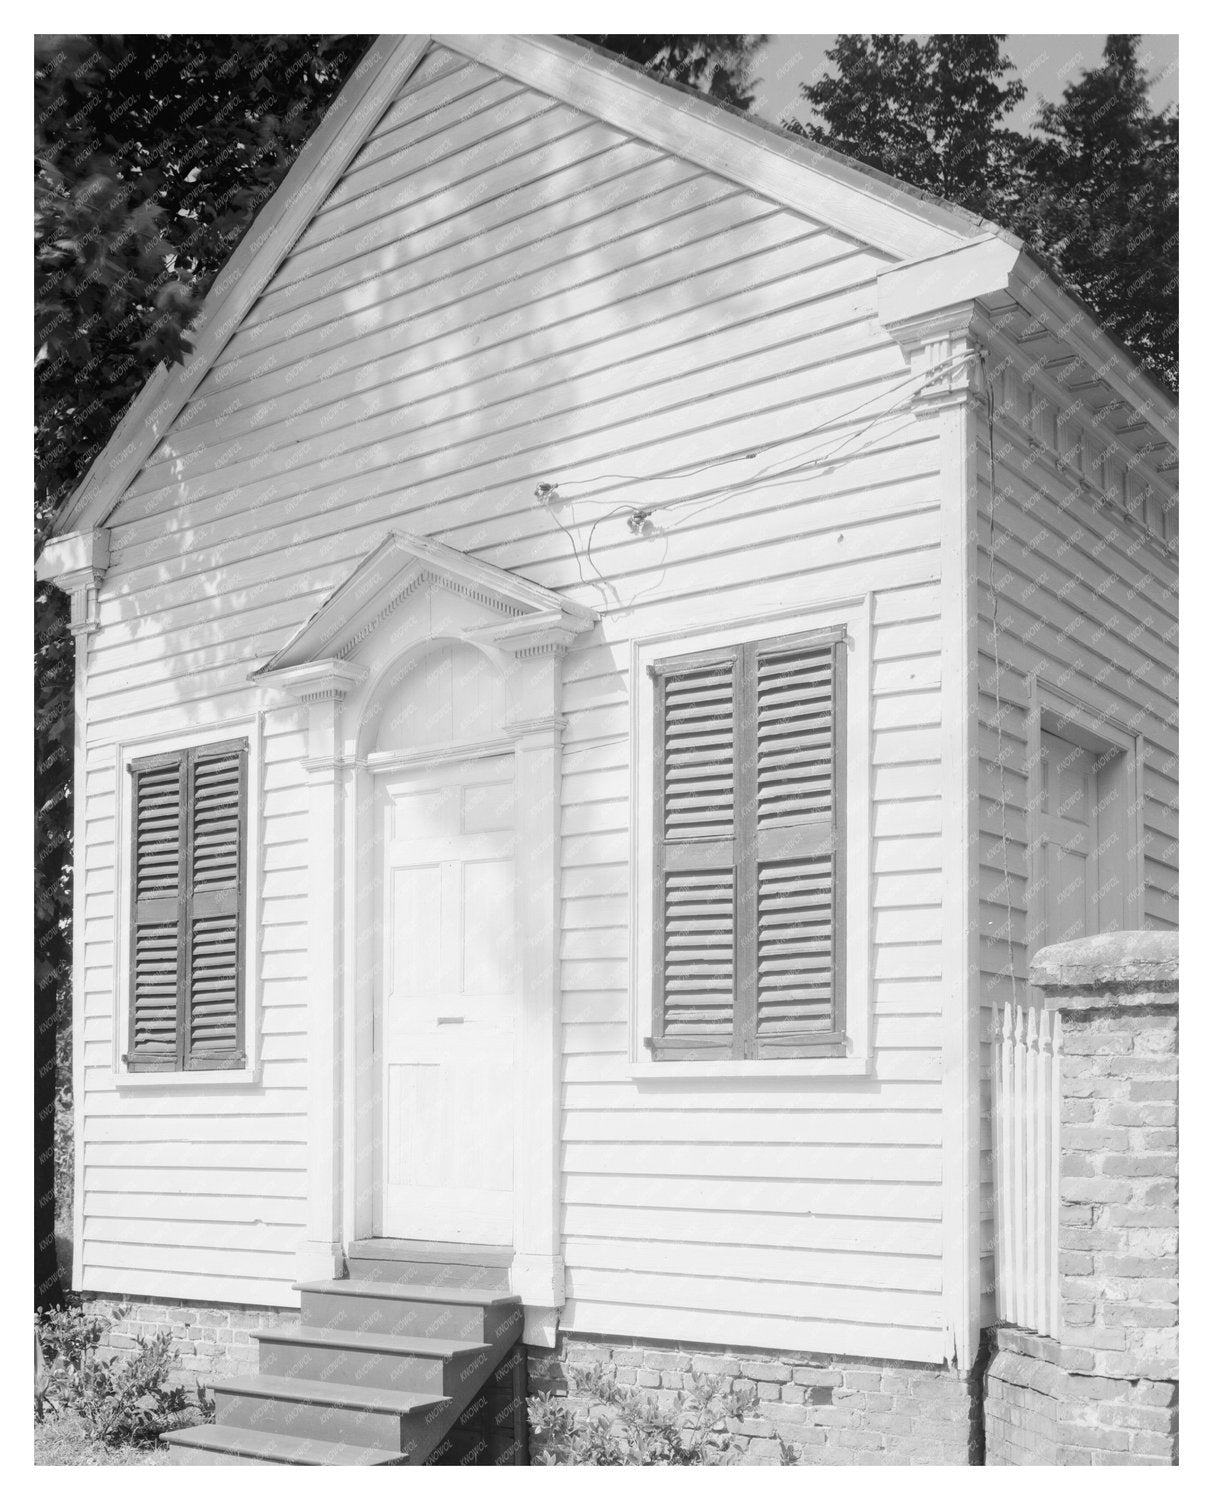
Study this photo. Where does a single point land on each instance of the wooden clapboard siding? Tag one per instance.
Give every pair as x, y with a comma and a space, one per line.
502, 290
1085, 602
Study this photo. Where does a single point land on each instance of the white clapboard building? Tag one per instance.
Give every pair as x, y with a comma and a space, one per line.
593, 680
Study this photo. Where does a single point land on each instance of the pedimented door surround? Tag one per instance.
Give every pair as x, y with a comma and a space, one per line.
408, 597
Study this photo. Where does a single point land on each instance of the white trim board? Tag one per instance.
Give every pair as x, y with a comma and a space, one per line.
872, 209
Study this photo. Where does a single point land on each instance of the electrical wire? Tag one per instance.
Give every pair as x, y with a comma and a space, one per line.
771, 473
687, 473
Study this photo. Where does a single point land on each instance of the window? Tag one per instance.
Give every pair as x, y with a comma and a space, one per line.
748, 879
186, 954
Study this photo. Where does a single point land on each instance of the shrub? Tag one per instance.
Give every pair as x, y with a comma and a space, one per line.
627, 1425
115, 1397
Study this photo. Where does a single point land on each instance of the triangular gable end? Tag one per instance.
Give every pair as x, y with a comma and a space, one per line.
519, 616
856, 203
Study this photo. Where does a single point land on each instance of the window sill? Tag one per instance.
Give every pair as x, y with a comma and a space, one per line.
791, 1067
223, 1078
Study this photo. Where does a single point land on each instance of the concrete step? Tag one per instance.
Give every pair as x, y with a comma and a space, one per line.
431, 1366
320, 1409
219, 1444
431, 1262
399, 1308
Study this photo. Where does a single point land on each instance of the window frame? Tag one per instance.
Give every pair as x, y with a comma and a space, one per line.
851, 1054
128, 1075
745, 1044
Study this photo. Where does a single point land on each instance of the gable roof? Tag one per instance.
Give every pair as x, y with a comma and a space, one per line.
855, 200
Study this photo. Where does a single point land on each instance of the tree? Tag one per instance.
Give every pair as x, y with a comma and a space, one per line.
1103, 203
1094, 190
719, 66
929, 112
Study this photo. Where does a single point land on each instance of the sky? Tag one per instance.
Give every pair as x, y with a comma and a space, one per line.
1045, 63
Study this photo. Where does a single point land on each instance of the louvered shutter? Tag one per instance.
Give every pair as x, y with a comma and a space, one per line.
748, 916
187, 909
213, 974
695, 885
158, 841
797, 848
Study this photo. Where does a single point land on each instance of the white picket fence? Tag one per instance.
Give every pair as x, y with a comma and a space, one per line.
1027, 1165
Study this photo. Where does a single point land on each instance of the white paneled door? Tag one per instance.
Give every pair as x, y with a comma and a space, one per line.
450, 1001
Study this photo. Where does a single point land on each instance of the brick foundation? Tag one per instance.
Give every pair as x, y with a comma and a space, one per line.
830, 1410
1038, 1412
208, 1339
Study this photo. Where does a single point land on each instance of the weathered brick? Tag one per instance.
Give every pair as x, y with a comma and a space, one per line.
1153, 1165
1156, 1393
1130, 1315
810, 1375
1154, 1088
1094, 1190
762, 1369
659, 1359
1095, 1338
1089, 1041
780, 1413
1094, 1138
1155, 1194
1140, 1114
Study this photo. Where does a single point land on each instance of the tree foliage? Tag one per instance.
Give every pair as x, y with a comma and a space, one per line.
929, 112
1102, 202
719, 66
1094, 188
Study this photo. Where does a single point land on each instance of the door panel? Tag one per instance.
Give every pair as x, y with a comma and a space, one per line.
449, 1005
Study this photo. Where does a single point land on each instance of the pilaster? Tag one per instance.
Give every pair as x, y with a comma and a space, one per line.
942, 334
321, 687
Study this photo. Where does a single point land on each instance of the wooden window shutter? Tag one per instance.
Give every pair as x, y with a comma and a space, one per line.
695, 885
748, 910
187, 919
798, 849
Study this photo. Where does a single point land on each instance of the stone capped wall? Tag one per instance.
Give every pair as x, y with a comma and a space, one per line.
1106, 1390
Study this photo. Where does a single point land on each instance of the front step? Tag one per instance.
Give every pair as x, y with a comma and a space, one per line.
428, 1263
239, 1445
381, 1368
321, 1409
444, 1312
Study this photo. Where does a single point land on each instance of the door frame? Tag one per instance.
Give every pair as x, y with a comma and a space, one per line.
384, 768
537, 1270
407, 596
1057, 712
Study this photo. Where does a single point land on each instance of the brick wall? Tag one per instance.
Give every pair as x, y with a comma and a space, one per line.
827, 1409
208, 1340
1105, 1391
